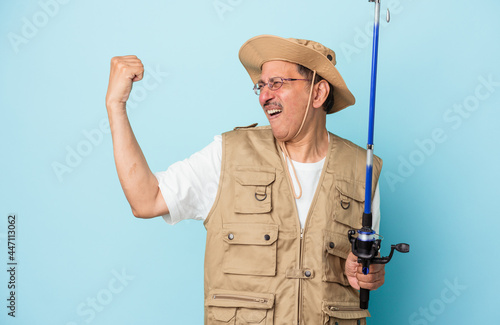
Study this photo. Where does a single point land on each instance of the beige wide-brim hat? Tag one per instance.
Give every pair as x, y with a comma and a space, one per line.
312, 55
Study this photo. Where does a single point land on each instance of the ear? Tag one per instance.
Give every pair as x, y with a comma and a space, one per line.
320, 93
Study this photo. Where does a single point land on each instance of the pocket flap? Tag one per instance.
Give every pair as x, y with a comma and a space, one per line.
250, 234
252, 316
337, 244
344, 310
238, 299
223, 314
261, 177
351, 189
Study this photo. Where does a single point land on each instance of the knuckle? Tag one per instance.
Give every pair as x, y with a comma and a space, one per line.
122, 66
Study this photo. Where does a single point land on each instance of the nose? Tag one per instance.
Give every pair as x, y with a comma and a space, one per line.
265, 95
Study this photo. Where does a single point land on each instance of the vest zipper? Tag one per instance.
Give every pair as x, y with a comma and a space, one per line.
299, 311
335, 308
308, 218
292, 188
240, 298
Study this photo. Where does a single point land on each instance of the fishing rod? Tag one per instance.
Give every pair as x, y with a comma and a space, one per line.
367, 243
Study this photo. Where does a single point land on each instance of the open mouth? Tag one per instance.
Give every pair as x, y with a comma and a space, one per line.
273, 112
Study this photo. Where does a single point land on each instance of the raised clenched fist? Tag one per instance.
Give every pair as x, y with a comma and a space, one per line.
124, 71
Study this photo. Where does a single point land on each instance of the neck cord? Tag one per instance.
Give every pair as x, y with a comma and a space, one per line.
285, 151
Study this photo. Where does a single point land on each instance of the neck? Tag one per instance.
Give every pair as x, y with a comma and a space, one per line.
310, 146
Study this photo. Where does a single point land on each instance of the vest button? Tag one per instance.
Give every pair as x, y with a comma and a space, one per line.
307, 273
230, 236
332, 245
267, 237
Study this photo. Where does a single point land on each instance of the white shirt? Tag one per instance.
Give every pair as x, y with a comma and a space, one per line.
189, 187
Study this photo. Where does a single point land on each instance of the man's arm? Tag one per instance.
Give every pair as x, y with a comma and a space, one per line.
138, 182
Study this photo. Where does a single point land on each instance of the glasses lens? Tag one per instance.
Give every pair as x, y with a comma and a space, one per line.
257, 87
275, 83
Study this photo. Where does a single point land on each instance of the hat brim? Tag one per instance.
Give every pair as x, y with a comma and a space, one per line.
261, 49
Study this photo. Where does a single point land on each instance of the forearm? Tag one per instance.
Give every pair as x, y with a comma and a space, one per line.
138, 182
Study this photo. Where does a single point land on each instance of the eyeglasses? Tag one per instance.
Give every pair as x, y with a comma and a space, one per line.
274, 84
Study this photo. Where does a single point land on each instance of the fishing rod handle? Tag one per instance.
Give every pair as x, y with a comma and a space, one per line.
364, 296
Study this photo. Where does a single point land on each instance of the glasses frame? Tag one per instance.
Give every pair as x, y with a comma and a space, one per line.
257, 89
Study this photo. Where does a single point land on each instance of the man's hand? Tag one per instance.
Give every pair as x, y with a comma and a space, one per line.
354, 273
124, 71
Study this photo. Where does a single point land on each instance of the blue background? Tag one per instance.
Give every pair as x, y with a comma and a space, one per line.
82, 256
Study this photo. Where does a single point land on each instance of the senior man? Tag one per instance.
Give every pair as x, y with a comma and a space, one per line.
277, 201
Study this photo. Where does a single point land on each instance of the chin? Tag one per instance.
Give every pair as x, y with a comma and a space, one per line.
281, 135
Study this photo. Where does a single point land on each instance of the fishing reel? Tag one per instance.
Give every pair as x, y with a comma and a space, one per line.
366, 247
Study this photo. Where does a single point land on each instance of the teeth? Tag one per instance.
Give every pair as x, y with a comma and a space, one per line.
273, 111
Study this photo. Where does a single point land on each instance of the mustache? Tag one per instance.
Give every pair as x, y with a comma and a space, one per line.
278, 104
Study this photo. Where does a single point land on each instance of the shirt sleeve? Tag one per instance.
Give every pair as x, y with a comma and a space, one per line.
189, 187
376, 210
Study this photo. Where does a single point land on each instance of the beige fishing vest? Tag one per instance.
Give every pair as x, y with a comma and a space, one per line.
260, 267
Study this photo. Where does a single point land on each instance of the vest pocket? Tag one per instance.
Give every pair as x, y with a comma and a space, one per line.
350, 206
344, 313
336, 247
239, 308
253, 189
249, 249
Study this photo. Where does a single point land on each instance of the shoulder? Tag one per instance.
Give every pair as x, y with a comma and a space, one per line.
351, 149
250, 145
252, 128
250, 132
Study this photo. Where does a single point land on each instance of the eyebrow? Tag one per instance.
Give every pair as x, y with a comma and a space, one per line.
260, 80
